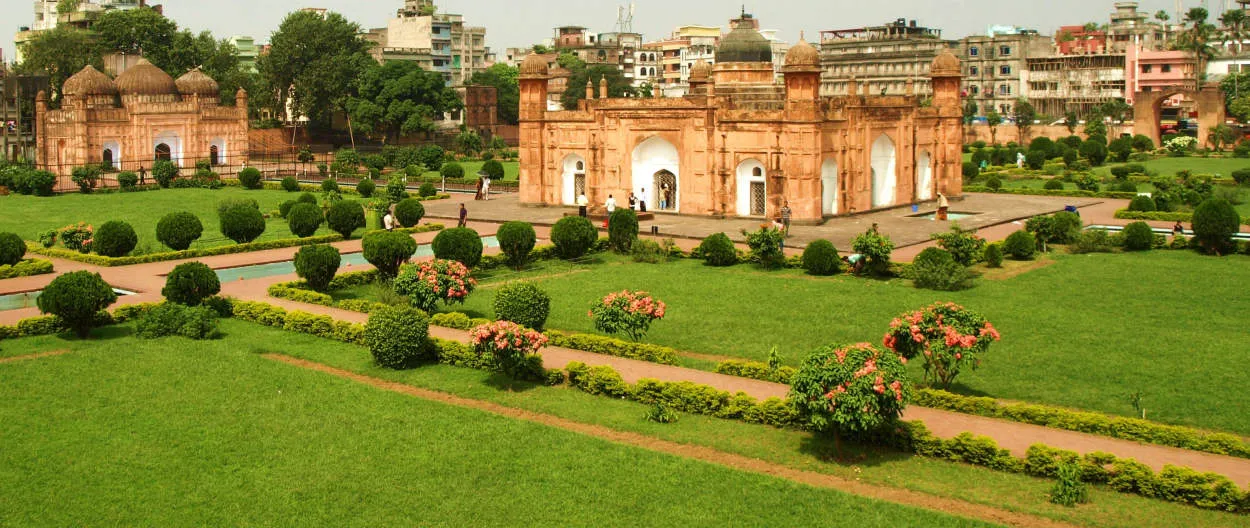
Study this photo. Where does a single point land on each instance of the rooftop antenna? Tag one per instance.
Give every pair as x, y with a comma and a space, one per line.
625, 18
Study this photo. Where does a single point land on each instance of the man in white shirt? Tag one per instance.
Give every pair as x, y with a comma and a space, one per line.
582, 202
642, 200
388, 221
611, 204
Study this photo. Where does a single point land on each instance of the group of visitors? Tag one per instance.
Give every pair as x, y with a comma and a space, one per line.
483, 187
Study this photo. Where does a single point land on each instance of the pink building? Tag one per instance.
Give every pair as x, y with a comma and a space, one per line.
1153, 71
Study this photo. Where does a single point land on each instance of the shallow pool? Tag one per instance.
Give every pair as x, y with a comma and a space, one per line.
18, 301
288, 267
949, 216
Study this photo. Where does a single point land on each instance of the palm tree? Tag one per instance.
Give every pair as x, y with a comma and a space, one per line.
1234, 21
1162, 16
1197, 40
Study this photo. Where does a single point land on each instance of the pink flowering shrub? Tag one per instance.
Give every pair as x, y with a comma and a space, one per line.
77, 237
511, 344
427, 283
626, 312
850, 389
946, 335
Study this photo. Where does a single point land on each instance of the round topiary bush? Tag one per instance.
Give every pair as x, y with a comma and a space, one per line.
1125, 186
307, 198
1021, 245
494, 169
190, 284
304, 220
1138, 236
397, 336
179, 230
936, 269
387, 251
12, 249
290, 184
993, 183
1242, 176
452, 171
427, 190
329, 185
409, 211
993, 255
718, 250
573, 236
1053, 185
366, 187
317, 265
115, 239
77, 298
622, 230
127, 180
345, 217
284, 208
516, 240
242, 223
249, 178
1215, 222
460, 244
164, 172
1144, 204
821, 258
523, 303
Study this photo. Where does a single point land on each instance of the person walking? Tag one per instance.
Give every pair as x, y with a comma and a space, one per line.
143, 175
486, 187
642, 200
464, 216
785, 218
610, 205
582, 203
477, 194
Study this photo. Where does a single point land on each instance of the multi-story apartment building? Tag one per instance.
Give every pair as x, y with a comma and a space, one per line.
47, 17
994, 66
670, 60
1059, 84
1152, 71
616, 49
1127, 28
882, 59
437, 41
248, 51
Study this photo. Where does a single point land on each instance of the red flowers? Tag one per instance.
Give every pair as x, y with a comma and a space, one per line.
945, 334
628, 312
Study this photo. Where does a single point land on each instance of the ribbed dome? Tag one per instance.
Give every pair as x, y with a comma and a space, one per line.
144, 78
195, 82
946, 64
701, 71
89, 81
744, 44
803, 54
534, 64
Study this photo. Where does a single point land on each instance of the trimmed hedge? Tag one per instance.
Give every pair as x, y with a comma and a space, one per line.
756, 370
516, 240
12, 249
460, 244
345, 217
821, 258
573, 236
115, 239
1161, 216
1049, 192
304, 219
397, 336
317, 265
388, 250
523, 303
249, 178
292, 291
409, 211
613, 347
242, 223
26, 268
1142, 204
718, 250
179, 230
76, 298
190, 283
623, 230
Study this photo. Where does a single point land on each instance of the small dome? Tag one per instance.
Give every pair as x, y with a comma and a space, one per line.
89, 81
803, 55
144, 78
701, 71
195, 82
744, 44
946, 64
534, 64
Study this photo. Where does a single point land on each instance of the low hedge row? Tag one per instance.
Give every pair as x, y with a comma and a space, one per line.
271, 185
26, 268
457, 320
1053, 192
292, 291
547, 252
1134, 429
613, 347
756, 370
1161, 216
51, 324
99, 260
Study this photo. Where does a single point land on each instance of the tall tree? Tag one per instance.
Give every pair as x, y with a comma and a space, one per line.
993, 119
507, 89
580, 74
136, 31
314, 62
1024, 114
970, 111
1071, 121
1234, 21
1197, 40
399, 98
59, 53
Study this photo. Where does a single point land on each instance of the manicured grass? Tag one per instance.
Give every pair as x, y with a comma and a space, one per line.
29, 216
170, 433
511, 169
1085, 332
1169, 166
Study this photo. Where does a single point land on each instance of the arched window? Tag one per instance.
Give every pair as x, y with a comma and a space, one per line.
213, 156
107, 159
757, 172
162, 152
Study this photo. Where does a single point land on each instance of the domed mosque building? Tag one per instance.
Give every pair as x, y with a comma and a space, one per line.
142, 116
740, 144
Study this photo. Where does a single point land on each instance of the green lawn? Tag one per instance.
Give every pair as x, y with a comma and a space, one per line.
1085, 332
165, 433
1169, 166
511, 169
29, 216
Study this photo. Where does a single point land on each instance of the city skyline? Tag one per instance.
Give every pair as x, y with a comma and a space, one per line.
654, 19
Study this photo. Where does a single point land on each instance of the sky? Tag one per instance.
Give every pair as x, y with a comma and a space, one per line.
518, 23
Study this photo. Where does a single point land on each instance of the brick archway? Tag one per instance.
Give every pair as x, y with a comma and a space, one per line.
1147, 110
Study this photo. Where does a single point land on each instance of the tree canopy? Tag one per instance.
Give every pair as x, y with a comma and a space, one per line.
59, 53
507, 89
399, 98
580, 74
315, 61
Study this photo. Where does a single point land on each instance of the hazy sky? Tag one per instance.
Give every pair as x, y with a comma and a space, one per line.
523, 22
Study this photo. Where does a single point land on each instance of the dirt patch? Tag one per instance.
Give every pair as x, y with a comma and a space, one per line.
34, 356
705, 454
495, 283
1013, 269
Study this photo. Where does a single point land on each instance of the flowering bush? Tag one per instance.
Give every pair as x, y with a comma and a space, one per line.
947, 335
850, 389
877, 249
510, 343
77, 237
630, 313
438, 280
1180, 145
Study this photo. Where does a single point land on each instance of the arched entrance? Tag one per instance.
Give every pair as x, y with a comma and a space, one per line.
217, 152
651, 157
573, 179
752, 189
829, 187
213, 158
924, 177
168, 146
163, 152
1148, 110
112, 155
884, 172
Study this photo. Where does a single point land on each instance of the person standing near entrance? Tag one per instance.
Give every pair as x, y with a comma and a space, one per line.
664, 193
642, 200
633, 201
464, 216
582, 202
610, 205
785, 218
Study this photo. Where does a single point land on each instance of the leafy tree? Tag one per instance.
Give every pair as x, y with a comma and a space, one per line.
469, 141
59, 53
67, 6
1221, 135
399, 98
1162, 16
970, 111
1240, 108
1024, 115
1094, 125
1197, 38
540, 49
993, 120
1071, 121
507, 90
315, 62
1234, 21
580, 74
1234, 85
1117, 110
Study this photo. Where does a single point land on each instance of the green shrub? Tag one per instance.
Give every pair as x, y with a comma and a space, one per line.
249, 178
365, 188
936, 269
304, 220
876, 248
76, 298
1021, 245
494, 169
427, 190
821, 258
993, 183
1242, 176
460, 244
164, 172
1070, 490
718, 250
523, 303
1053, 184
452, 171
1094, 241
766, 247
1035, 159
190, 283
516, 240
1125, 186
168, 319
397, 336
622, 230
573, 236
964, 246
307, 198
388, 250
345, 217
970, 171
409, 212
179, 230
1138, 236
290, 184
329, 185
12, 249
614, 347
1215, 222
317, 265
993, 255
832, 396
1144, 204
242, 223
115, 239
87, 177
